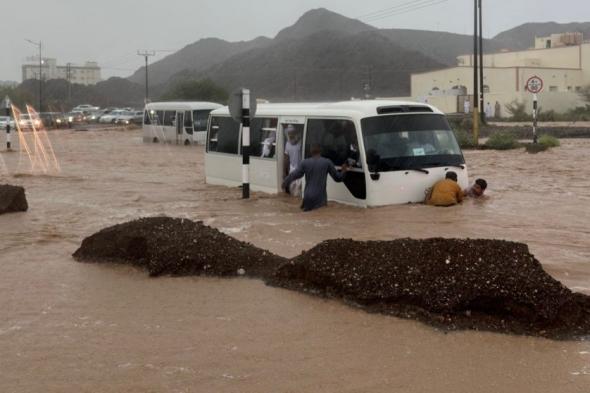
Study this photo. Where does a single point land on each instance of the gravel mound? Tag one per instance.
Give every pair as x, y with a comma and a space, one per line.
177, 247
12, 199
454, 284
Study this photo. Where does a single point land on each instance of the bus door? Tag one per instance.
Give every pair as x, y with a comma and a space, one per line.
290, 142
180, 128
188, 127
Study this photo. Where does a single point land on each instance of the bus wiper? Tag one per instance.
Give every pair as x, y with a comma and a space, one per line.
422, 170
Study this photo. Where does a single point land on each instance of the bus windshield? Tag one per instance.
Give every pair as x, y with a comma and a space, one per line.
413, 141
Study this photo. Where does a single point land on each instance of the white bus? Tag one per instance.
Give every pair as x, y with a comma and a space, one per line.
398, 149
176, 122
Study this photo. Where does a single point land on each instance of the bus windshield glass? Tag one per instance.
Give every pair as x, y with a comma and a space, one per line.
412, 141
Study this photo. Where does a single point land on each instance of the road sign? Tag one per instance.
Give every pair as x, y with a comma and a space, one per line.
534, 85
236, 105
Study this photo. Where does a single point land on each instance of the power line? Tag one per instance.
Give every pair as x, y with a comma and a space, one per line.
408, 9
389, 9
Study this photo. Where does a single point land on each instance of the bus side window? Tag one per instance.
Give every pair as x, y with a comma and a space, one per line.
263, 137
188, 122
224, 135
337, 138
169, 118
200, 119
159, 118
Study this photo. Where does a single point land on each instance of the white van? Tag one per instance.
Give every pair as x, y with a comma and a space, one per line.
177, 122
398, 150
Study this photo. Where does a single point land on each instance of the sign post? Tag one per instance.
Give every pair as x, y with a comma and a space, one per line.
534, 86
7, 106
242, 107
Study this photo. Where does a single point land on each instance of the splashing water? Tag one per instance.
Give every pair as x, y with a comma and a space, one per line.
34, 143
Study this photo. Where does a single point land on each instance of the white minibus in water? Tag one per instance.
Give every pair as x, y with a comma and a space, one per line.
397, 150
176, 122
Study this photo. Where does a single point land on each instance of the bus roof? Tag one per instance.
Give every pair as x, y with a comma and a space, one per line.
184, 105
360, 109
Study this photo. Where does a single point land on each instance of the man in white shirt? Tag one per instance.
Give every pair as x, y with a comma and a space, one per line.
293, 154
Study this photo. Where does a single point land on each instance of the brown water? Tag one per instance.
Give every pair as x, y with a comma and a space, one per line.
66, 326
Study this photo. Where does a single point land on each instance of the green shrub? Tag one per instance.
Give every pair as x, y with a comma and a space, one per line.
465, 139
549, 141
502, 141
517, 111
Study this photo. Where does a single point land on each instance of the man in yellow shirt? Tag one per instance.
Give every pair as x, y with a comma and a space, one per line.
446, 192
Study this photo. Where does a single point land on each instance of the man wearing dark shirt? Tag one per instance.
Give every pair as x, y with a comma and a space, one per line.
315, 170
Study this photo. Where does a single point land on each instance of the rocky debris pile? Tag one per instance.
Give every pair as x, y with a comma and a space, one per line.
12, 199
454, 284
177, 247
449, 283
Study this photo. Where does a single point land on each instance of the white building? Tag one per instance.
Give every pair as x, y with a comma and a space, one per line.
87, 74
562, 61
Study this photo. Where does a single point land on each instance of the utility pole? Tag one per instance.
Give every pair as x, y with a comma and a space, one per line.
69, 78
476, 117
147, 54
481, 65
39, 45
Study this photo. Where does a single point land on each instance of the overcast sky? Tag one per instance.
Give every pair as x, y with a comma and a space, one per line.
111, 31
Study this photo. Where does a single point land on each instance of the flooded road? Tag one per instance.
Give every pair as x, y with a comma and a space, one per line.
67, 326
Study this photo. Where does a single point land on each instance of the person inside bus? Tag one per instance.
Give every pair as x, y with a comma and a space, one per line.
268, 146
316, 170
292, 149
446, 192
477, 189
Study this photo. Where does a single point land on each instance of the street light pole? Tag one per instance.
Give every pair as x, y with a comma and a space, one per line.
147, 55
481, 81
40, 46
8, 107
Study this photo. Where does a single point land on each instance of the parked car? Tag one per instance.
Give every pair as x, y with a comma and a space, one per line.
111, 117
125, 118
4, 120
137, 118
85, 107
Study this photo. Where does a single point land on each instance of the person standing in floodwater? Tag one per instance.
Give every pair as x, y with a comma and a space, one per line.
316, 170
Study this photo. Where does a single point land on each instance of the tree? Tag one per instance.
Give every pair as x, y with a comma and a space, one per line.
196, 90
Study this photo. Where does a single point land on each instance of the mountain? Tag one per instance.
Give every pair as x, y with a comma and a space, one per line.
195, 57
321, 19
523, 37
325, 65
441, 46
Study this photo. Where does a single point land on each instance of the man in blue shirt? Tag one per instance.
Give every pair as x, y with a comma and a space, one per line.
316, 170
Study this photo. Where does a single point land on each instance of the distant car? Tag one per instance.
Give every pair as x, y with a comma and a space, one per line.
125, 118
111, 117
25, 122
4, 120
137, 118
85, 107
53, 119
74, 118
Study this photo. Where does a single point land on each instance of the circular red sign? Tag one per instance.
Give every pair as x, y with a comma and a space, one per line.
534, 85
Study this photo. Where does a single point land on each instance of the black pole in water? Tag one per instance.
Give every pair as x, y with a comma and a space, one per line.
535, 109
7, 106
475, 81
481, 82
245, 144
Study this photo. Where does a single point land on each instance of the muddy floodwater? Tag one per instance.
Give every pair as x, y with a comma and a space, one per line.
71, 327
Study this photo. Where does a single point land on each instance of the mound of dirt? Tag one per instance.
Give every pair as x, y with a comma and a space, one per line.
452, 284
178, 247
12, 199
468, 284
